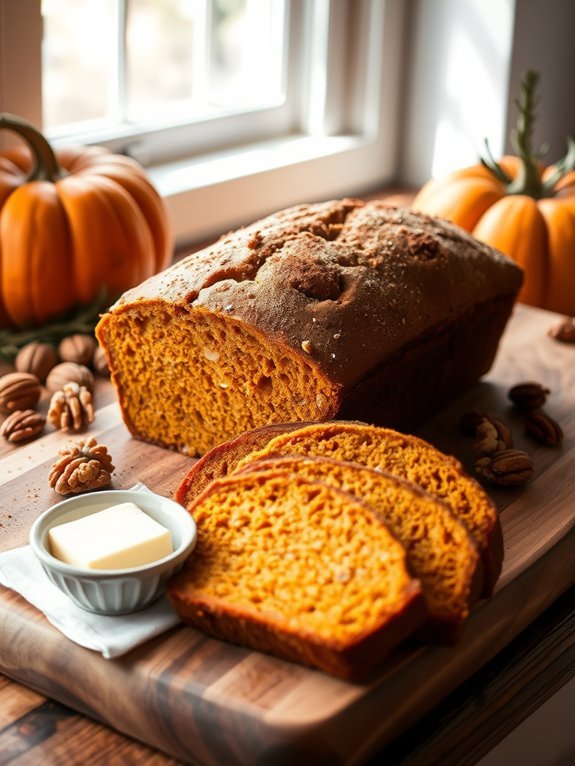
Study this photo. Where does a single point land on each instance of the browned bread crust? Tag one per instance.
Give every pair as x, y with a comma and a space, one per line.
223, 458
334, 309
298, 569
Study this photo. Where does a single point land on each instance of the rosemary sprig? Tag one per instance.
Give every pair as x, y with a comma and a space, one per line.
82, 320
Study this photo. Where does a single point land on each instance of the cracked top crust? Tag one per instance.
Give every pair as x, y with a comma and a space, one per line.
351, 281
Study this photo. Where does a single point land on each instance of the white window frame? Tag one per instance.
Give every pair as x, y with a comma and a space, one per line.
343, 141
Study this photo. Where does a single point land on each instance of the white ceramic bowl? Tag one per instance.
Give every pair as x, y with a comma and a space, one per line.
114, 591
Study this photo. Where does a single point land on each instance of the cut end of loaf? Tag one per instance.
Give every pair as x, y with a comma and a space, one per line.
440, 551
299, 569
410, 458
188, 378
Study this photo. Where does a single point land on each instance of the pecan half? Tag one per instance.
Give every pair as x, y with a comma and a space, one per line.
529, 395
544, 428
22, 425
509, 467
492, 435
19, 391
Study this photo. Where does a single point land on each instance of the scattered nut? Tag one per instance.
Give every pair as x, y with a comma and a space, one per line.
100, 363
19, 391
22, 425
491, 436
529, 395
36, 358
544, 428
81, 469
564, 331
306, 346
71, 408
77, 348
69, 372
509, 467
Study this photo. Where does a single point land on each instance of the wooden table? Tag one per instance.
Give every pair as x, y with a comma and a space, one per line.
207, 702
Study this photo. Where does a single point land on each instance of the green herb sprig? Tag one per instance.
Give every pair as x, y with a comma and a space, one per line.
81, 320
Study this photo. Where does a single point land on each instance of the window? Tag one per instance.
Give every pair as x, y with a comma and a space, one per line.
155, 77
236, 107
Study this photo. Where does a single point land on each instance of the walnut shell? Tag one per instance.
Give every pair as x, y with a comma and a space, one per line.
77, 348
69, 372
37, 358
19, 391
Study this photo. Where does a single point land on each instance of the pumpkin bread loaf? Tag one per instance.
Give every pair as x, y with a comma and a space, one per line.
440, 551
298, 569
410, 458
334, 309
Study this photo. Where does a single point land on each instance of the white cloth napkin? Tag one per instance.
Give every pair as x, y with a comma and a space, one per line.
112, 636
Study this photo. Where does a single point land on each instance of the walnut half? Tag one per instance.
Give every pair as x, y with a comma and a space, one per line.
71, 408
82, 468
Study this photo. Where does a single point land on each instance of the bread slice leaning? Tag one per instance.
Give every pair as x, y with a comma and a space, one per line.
407, 457
298, 569
222, 459
440, 550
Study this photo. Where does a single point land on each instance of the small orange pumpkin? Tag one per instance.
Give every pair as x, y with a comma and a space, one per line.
520, 207
72, 223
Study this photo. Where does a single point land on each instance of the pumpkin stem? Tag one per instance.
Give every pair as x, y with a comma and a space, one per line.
493, 166
46, 166
561, 168
528, 180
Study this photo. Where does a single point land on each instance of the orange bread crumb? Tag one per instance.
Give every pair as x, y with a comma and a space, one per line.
410, 458
439, 548
299, 569
222, 459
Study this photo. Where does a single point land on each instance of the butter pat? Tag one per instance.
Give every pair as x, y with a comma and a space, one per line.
118, 537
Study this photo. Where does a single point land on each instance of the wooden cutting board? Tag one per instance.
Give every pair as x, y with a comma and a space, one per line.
209, 702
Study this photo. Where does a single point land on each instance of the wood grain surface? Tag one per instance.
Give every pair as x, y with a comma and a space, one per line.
458, 732
207, 702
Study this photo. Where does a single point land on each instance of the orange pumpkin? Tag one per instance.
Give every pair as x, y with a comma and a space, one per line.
72, 223
519, 206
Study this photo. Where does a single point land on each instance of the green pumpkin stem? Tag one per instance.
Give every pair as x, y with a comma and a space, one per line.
528, 180
561, 168
46, 166
493, 166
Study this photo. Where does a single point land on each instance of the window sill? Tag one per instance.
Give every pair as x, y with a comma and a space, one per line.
214, 193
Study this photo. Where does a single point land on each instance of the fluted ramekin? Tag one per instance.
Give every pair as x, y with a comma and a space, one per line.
114, 591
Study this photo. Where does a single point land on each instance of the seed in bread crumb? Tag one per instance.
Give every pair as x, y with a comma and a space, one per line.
211, 355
